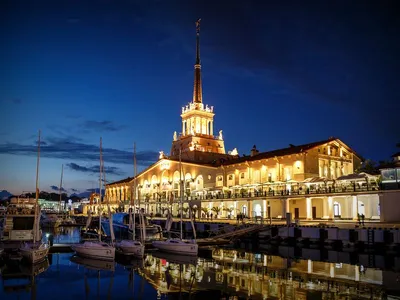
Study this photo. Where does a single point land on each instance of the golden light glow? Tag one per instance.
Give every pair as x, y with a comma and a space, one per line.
165, 165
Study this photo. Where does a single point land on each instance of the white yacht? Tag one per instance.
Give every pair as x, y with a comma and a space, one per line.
133, 247
19, 220
178, 246
95, 249
130, 247
36, 250
98, 249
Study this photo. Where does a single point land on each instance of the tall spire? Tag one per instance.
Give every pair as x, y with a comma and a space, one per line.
197, 90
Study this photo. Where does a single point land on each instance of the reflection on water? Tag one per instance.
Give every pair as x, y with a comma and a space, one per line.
62, 235
229, 273
263, 276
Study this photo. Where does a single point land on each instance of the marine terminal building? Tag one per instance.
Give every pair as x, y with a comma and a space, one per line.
311, 181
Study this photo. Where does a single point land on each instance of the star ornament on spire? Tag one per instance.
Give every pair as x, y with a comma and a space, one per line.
198, 25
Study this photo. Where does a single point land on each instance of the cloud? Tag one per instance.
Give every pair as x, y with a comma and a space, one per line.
74, 190
94, 169
64, 148
56, 188
42, 143
101, 126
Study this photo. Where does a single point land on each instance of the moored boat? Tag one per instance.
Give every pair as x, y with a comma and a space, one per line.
98, 249
130, 247
95, 249
177, 246
34, 252
37, 250
133, 246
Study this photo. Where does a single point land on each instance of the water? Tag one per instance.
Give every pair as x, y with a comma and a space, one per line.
226, 274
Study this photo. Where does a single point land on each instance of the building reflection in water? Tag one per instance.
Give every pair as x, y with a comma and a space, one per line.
261, 276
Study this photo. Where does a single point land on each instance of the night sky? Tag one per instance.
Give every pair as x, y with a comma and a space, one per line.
276, 73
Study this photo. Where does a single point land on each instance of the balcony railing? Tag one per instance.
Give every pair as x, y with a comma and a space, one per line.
264, 194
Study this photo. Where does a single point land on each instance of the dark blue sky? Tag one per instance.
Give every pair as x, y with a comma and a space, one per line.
275, 74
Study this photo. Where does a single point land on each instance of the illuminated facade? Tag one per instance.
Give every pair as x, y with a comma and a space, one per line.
310, 181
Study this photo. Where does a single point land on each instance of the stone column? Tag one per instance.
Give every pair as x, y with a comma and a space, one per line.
356, 273
355, 208
285, 207
308, 209
250, 208
330, 208
309, 266
265, 209
332, 270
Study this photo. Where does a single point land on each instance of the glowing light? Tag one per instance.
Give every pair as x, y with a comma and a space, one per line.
165, 165
234, 152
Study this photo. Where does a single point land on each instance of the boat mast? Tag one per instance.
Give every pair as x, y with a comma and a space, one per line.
35, 224
100, 178
182, 186
110, 217
62, 171
134, 193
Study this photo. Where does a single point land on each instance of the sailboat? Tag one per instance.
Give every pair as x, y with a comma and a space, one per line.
173, 245
98, 249
133, 247
36, 251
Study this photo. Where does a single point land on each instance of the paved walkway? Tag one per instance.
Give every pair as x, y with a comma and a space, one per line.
337, 223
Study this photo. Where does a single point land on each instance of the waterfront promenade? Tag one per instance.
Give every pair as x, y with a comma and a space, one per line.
266, 221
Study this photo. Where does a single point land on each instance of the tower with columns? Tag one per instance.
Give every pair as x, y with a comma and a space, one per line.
197, 121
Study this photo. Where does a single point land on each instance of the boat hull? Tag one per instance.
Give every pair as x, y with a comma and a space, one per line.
95, 250
130, 248
177, 247
34, 253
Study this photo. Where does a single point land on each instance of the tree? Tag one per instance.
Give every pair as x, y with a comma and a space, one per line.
194, 210
368, 166
204, 210
216, 209
229, 210
185, 210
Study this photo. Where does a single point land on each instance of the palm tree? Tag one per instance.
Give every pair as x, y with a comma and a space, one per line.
194, 209
185, 210
229, 210
216, 209
204, 210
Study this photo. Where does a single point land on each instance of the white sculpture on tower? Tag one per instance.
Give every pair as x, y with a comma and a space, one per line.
175, 136
220, 135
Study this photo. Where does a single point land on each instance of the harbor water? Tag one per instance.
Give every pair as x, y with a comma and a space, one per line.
226, 273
